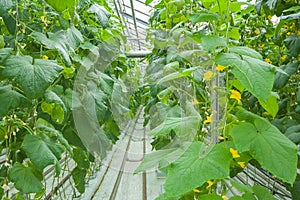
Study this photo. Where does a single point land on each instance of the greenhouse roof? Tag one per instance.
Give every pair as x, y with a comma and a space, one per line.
134, 15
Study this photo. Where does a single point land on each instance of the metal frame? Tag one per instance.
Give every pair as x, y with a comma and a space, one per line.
135, 26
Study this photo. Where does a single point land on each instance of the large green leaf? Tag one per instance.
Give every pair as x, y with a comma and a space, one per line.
33, 75
63, 5
256, 75
26, 179
10, 99
210, 42
197, 165
281, 79
42, 153
64, 41
274, 151
102, 14
246, 51
181, 125
293, 44
161, 157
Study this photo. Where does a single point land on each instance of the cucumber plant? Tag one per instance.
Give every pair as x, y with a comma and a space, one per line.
219, 78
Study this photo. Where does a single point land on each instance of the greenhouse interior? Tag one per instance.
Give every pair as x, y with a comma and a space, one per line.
150, 99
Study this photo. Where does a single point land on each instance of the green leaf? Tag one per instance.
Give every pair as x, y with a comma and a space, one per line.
102, 14
2, 42
236, 6
246, 51
34, 76
238, 198
293, 133
268, 146
10, 22
25, 178
4, 54
148, 2
54, 106
271, 106
281, 79
241, 187
196, 166
291, 9
81, 158
5, 5
41, 153
257, 76
163, 157
171, 68
63, 5
78, 176
64, 41
203, 17
180, 125
10, 99
176, 75
234, 33
48, 129
293, 44
248, 196
262, 193
210, 197
210, 42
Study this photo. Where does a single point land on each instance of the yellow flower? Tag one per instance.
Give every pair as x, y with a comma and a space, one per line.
288, 33
208, 75
283, 57
236, 95
208, 119
220, 68
196, 190
261, 46
195, 101
268, 60
234, 153
210, 183
45, 27
298, 32
256, 32
221, 138
242, 164
224, 197
43, 18
285, 26
6, 136
45, 57
269, 17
